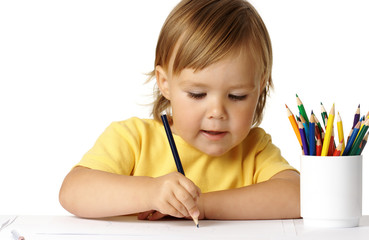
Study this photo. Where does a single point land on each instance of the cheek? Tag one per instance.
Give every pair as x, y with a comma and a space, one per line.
244, 117
185, 115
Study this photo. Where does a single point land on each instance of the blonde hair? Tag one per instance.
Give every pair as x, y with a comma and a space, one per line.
204, 32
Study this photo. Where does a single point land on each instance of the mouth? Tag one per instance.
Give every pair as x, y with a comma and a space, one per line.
213, 135
212, 132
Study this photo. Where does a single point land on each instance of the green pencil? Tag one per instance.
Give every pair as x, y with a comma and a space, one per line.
301, 109
323, 112
355, 150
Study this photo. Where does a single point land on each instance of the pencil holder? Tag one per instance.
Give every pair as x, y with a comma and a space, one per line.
331, 191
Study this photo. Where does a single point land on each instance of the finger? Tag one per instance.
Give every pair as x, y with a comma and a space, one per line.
194, 212
178, 208
145, 215
186, 201
156, 216
190, 187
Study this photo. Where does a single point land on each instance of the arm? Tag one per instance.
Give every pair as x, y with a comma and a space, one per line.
92, 194
276, 198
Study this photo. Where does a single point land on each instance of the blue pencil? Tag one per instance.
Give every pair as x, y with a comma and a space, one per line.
173, 147
306, 128
312, 136
351, 141
172, 144
305, 145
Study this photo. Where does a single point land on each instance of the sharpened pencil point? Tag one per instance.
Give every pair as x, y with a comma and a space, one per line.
196, 221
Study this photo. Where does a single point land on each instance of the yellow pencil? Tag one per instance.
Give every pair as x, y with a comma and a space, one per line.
341, 137
328, 133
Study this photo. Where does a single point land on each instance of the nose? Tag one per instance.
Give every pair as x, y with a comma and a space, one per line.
216, 110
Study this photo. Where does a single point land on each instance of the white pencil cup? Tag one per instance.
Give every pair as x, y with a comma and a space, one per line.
331, 191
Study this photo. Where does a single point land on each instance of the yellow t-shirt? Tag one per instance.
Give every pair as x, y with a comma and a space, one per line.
139, 147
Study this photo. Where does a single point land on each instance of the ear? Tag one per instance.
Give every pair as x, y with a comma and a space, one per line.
263, 83
162, 81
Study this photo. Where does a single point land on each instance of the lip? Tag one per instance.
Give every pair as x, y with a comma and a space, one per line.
213, 135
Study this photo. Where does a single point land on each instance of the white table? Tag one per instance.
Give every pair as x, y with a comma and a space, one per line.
128, 227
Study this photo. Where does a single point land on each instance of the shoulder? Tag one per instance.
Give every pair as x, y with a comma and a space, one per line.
135, 124
257, 139
134, 130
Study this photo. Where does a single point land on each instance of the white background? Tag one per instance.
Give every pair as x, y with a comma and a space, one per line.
69, 68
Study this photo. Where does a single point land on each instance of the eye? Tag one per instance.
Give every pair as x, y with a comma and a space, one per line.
196, 95
237, 97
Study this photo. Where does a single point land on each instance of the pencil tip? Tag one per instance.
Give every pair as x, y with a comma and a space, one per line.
198, 226
297, 95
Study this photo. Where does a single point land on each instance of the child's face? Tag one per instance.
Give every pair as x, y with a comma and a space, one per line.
213, 108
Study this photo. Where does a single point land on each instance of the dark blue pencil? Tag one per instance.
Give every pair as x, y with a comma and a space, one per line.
172, 144
312, 145
305, 145
173, 147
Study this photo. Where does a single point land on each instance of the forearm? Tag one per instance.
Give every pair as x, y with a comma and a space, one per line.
274, 199
95, 194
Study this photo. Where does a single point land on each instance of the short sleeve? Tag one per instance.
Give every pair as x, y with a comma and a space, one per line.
268, 159
115, 150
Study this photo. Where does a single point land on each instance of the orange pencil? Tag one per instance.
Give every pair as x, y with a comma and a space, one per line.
294, 124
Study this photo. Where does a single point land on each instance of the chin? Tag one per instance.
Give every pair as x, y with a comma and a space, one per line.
215, 152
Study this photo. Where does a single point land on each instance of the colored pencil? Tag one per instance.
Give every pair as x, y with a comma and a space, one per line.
312, 136
350, 142
173, 147
294, 124
319, 147
362, 121
328, 134
318, 133
318, 124
323, 112
301, 109
172, 144
341, 137
363, 143
356, 116
306, 127
332, 145
305, 145
360, 136
337, 151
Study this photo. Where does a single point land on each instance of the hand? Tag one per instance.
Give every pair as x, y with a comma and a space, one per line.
172, 194
153, 215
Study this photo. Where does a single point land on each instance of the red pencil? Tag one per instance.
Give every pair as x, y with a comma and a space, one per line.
319, 147
338, 150
331, 144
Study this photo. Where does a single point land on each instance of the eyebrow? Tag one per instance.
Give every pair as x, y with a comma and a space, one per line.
247, 87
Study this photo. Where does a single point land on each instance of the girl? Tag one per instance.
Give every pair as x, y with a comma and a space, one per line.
213, 73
